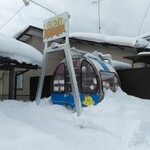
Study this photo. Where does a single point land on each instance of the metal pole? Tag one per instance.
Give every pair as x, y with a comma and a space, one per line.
26, 2
73, 80
99, 19
11, 82
41, 78
99, 26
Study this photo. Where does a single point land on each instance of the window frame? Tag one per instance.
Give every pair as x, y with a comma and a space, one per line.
118, 83
18, 75
96, 77
64, 75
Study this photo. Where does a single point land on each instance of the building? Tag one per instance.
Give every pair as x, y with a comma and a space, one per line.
118, 47
16, 59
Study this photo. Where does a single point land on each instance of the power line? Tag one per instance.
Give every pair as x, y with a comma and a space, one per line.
42, 6
11, 17
26, 2
143, 21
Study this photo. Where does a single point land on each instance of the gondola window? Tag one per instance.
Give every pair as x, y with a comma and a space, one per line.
88, 78
110, 81
59, 79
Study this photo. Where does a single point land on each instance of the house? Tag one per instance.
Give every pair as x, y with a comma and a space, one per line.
16, 58
118, 47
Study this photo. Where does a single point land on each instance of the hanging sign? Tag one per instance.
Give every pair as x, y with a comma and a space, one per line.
56, 27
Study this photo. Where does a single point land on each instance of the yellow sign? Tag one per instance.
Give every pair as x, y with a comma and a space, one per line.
55, 27
88, 101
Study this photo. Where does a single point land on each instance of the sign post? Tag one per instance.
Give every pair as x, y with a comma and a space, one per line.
54, 29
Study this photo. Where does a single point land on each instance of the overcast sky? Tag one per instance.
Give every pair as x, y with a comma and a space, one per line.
118, 17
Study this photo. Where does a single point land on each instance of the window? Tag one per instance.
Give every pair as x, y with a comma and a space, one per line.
110, 81
76, 64
19, 82
59, 79
88, 78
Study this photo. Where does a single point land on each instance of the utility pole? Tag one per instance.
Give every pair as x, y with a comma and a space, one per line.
99, 19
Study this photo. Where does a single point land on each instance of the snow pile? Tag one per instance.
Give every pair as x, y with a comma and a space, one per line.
19, 51
117, 40
119, 122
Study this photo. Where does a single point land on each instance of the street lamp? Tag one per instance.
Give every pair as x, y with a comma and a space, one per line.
98, 4
26, 2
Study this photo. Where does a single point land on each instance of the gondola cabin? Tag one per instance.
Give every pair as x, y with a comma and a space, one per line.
94, 76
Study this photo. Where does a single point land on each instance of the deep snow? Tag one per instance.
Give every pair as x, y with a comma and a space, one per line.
119, 122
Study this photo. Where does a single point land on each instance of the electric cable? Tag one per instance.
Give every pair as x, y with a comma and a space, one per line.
143, 21
12, 17
42, 6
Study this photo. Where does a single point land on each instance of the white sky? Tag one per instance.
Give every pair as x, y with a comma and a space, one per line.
118, 17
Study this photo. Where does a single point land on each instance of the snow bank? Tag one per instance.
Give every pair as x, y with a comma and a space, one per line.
19, 51
119, 122
117, 40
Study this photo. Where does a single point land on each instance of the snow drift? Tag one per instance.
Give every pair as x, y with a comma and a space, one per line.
119, 122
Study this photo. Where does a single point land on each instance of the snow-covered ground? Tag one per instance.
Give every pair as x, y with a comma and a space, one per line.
119, 122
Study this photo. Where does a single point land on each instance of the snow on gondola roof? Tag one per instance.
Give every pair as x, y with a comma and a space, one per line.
116, 40
19, 51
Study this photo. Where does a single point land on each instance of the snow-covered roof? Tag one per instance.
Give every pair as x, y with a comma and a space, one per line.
28, 32
117, 40
19, 51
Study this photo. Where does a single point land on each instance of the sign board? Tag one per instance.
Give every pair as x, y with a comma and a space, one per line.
56, 27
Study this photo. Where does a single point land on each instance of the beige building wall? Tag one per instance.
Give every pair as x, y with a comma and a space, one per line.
53, 60
117, 53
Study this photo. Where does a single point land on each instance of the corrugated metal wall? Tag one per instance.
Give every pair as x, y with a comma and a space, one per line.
136, 82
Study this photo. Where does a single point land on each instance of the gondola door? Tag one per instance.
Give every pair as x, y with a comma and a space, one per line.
90, 84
